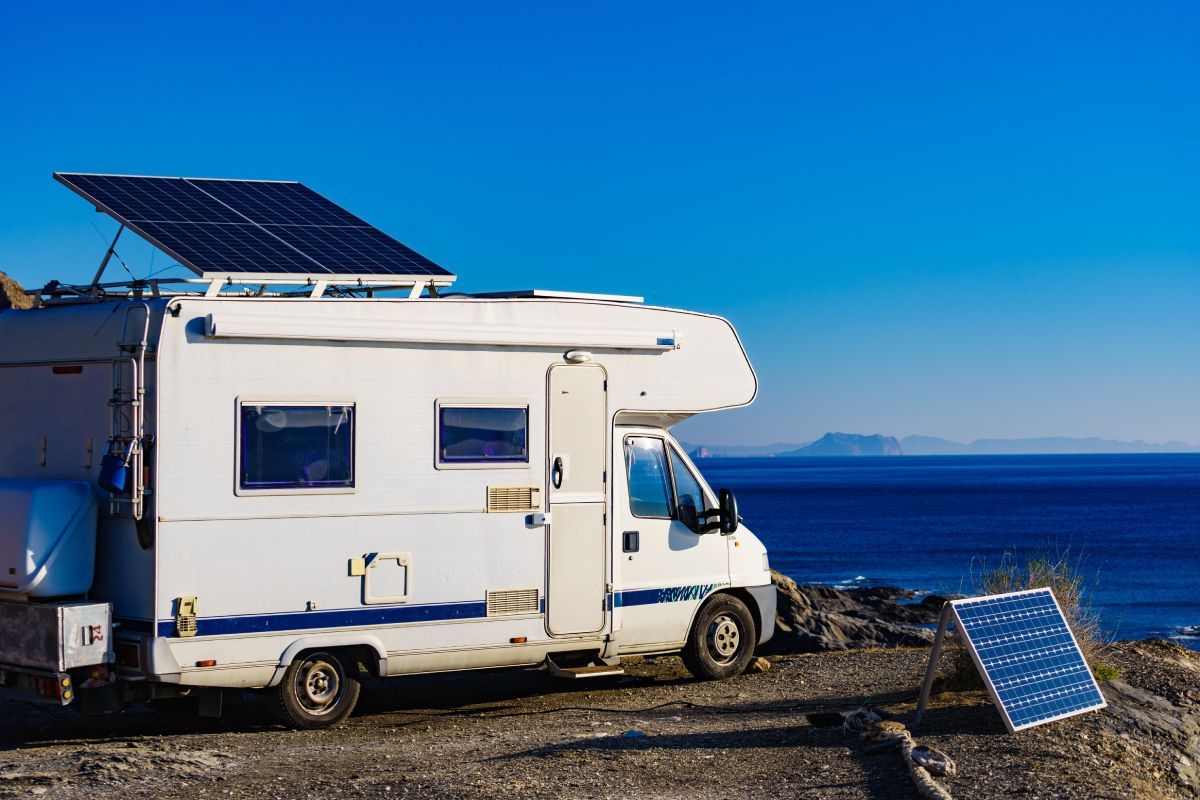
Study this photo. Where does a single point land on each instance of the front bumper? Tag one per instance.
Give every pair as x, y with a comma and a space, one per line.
765, 598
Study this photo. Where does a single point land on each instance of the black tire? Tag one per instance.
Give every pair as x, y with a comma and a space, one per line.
721, 642
318, 690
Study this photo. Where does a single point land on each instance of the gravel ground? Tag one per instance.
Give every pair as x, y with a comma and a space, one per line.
651, 733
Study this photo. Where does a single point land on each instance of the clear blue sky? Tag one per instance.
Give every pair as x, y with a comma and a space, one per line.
922, 218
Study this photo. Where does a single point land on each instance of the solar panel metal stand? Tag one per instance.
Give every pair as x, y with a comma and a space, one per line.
927, 685
112, 248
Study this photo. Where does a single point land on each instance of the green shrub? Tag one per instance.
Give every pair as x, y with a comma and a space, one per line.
1064, 576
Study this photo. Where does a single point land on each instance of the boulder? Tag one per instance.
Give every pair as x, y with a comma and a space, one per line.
811, 619
12, 295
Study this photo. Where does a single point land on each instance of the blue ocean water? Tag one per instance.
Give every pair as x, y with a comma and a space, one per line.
932, 522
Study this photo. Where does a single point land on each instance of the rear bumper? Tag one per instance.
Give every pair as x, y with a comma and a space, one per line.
23, 683
765, 598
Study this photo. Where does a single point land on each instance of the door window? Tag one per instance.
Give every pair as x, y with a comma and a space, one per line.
649, 477
689, 497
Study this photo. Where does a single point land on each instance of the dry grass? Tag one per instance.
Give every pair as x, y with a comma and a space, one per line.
1064, 576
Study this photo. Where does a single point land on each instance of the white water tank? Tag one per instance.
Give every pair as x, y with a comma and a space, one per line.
47, 536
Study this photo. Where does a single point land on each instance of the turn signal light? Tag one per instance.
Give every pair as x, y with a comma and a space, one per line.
518, 640
212, 662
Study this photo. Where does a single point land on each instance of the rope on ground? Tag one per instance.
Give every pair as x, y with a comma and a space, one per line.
922, 762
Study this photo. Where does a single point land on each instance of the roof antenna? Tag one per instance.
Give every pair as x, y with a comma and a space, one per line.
104, 262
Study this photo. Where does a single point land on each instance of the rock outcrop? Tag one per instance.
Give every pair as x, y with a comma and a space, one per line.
811, 619
849, 444
12, 295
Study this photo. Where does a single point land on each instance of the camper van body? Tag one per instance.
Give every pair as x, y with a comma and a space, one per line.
400, 540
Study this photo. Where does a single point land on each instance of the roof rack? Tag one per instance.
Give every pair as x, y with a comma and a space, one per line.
245, 286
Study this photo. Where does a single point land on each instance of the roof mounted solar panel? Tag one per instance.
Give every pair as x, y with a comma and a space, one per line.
278, 231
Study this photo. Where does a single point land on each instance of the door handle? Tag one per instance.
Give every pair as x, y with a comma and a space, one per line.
629, 541
556, 472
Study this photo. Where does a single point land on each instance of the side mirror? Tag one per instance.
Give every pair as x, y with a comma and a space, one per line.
726, 514
729, 511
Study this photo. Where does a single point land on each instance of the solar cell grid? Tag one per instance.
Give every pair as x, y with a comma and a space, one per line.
277, 203
219, 227
354, 250
1030, 660
153, 199
228, 248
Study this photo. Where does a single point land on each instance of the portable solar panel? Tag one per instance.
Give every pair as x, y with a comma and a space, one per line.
1028, 657
251, 228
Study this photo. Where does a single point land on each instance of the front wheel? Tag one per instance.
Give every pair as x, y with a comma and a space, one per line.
721, 642
317, 691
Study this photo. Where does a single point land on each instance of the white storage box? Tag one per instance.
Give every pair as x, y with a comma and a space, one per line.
47, 536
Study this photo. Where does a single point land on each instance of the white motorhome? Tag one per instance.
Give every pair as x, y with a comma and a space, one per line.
292, 489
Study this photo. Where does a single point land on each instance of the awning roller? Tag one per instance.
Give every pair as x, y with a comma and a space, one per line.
248, 326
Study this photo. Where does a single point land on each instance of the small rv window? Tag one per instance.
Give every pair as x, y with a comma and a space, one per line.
483, 435
297, 447
649, 480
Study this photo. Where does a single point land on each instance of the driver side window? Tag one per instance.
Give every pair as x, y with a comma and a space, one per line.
689, 497
661, 486
649, 478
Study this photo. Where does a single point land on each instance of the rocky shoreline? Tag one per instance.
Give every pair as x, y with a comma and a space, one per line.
815, 619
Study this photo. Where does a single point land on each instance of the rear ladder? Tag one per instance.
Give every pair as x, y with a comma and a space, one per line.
127, 433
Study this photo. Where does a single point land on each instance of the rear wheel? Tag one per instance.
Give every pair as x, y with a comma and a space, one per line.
721, 642
317, 690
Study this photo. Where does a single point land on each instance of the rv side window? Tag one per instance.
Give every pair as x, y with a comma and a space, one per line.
649, 478
297, 446
483, 435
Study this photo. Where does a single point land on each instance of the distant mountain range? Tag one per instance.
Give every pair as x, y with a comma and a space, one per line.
857, 444
1047, 445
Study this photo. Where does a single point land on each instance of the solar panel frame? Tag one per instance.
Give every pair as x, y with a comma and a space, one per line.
277, 231
1056, 680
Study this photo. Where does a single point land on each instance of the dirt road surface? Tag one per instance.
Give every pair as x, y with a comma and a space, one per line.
652, 733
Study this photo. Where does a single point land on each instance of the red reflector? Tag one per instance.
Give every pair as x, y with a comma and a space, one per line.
518, 640
71, 370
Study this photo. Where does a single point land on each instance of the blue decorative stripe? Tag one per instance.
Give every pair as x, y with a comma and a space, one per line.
396, 615
343, 618
669, 594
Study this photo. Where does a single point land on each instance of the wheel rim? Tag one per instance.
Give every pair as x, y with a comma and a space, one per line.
318, 686
724, 639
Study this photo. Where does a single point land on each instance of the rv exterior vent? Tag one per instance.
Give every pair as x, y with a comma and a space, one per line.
514, 498
512, 601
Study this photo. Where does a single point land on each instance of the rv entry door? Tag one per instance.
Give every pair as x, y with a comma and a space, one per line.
577, 490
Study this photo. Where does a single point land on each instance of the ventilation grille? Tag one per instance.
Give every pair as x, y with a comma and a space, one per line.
513, 498
512, 601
